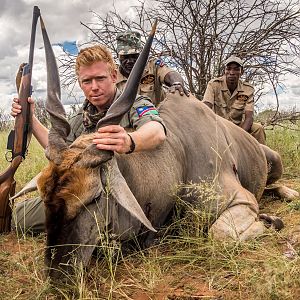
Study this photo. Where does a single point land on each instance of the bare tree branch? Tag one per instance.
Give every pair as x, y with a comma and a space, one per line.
196, 36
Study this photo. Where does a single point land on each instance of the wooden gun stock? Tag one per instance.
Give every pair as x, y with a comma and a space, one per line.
7, 190
21, 134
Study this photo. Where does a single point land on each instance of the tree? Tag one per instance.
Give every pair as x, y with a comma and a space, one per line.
197, 36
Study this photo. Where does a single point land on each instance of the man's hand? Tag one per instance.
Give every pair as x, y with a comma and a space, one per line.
38, 129
247, 124
209, 104
178, 86
112, 137
16, 107
175, 83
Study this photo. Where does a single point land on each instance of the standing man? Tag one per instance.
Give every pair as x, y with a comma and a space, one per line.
232, 99
156, 73
97, 75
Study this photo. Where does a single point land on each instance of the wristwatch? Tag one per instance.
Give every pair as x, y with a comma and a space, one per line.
132, 145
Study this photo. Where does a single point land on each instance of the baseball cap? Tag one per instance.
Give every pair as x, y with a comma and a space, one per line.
128, 42
233, 59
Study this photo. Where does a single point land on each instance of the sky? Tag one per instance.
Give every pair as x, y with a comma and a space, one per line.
62, 20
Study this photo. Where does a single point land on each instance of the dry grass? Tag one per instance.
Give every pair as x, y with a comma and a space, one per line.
188, 265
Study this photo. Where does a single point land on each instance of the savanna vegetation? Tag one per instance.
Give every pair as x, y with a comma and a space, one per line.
184, 264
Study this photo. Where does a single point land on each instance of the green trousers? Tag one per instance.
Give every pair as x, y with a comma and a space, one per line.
258, 132
29, 216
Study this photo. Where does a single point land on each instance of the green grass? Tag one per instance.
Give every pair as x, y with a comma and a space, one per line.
287, 143
31, 166
188, 265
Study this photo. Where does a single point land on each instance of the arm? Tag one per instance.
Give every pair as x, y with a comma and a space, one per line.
115, 138
38, 129
249, 111
149, 136
209, 96
247, 124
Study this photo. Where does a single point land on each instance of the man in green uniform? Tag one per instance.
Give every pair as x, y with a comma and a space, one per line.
156, 73
97, 75
232, 99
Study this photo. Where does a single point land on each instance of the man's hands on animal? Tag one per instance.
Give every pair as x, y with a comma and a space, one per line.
175, 83
114, 138
178, 86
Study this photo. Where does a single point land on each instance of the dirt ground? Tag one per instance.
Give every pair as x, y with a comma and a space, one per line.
21, 265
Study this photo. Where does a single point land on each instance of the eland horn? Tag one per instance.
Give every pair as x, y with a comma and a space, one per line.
60, 127
125, 101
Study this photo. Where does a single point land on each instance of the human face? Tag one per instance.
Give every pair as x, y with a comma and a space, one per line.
233, 72
127, 62
98, 83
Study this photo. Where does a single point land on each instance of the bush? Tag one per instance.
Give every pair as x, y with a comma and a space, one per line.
5, 120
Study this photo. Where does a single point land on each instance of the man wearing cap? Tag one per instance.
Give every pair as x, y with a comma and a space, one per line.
156, 73
232, 99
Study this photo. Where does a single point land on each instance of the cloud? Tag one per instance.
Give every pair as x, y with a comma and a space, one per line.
62, 20
288, 95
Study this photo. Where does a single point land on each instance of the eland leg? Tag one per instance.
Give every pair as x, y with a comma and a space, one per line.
240, 219
275, 170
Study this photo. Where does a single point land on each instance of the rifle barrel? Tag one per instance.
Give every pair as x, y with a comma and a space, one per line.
24, 119
35, 17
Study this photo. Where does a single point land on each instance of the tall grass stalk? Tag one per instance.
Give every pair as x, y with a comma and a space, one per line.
185, 264
287, 143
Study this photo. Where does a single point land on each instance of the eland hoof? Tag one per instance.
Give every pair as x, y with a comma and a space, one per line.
271, 221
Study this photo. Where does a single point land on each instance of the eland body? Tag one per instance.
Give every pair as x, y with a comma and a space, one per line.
87, 191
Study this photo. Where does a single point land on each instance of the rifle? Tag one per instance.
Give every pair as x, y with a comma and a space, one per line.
19, 138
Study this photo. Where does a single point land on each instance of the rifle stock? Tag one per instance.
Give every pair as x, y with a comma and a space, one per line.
7, 189
21, 134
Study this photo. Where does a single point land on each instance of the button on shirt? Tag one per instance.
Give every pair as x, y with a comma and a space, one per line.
230, 106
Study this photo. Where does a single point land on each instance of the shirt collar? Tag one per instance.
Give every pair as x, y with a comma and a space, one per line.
87, 103
225, 88
120, 77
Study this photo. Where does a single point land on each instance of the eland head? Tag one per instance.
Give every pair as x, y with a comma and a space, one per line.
74, 185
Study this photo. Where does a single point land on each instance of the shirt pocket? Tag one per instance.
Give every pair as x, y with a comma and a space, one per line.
221, 109
147, 88
148, 91
237, 111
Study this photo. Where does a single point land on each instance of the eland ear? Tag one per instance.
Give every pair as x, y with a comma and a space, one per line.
123, 195
31, 186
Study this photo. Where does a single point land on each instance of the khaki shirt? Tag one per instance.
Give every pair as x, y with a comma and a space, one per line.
230, 106
141, 112
155, 71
